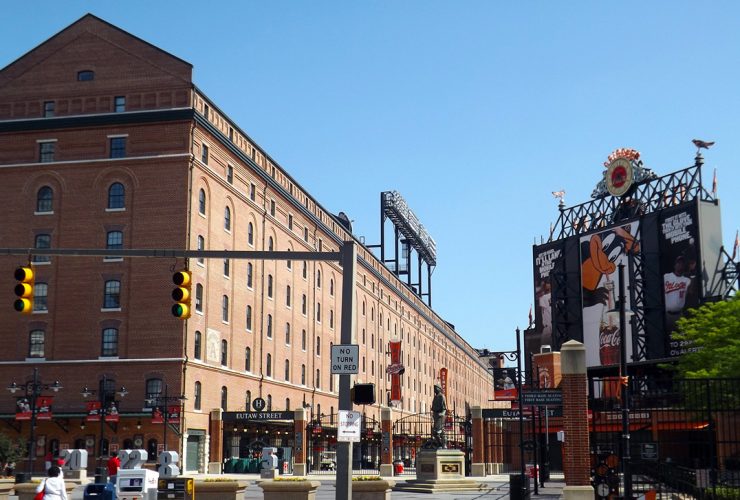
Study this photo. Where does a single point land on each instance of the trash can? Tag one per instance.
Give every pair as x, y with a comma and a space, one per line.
398, 467
518, 487
98, 491
101, 475
22, 477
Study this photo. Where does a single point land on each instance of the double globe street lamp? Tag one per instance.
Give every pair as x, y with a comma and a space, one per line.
29, 405
106, 406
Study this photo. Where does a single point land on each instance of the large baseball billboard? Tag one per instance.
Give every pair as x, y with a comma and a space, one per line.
546, 260
679, 267
601, 255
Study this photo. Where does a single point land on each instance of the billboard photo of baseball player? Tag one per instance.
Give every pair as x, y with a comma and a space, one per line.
679, 266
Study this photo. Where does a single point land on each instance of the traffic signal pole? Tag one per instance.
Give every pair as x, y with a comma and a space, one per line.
344, 449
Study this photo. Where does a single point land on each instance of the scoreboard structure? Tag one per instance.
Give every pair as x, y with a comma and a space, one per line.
667, 233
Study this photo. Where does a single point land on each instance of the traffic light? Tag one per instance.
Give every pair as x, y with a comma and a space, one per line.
363, 394
181, 294
24, 290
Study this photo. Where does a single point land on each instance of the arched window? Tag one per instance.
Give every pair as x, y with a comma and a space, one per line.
331, 287
36, 344
287, 296
114, 240
270, 244
318, 278
224, 352
287, 370
287, 333
305, 270
42, 241
250, 234
225, 308
287, 404
45, 200
249, 318
304, 304
198, 345
116, 196
196, 396
40, 295
269, 326
201, 246
202, 202
227, 219
269, 285
318, 312
318, 378
318, 346
331, 318
109, 342
250, 274
268, 365
269, 402
112, 295
303, 374
224, 397
248, 359
199, 297
154, 388
247, 400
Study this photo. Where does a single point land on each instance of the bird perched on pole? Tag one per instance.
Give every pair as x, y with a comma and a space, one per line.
702, 144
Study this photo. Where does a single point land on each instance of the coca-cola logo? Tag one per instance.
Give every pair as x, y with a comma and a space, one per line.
609, 338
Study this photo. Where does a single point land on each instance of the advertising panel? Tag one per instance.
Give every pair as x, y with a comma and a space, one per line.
679, 267
505, 384
546, 259
396, 369
601, 254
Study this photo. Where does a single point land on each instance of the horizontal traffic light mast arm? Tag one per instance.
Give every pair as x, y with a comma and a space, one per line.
176, 253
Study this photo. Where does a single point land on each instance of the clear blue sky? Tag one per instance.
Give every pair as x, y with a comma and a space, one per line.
474, 110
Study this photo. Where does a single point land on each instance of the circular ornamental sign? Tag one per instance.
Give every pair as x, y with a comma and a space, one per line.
619, 176
259, 404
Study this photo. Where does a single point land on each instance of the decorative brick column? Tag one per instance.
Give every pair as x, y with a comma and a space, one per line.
299, 450
216, 431
386, 441
478, 466
576, 458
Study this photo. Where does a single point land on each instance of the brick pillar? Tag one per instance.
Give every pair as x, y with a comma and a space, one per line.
576, 462
478, 466
216, 431
386, 442
299, 451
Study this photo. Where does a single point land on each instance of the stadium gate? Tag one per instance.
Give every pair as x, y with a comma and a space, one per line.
411, 432
684, 437
321, 439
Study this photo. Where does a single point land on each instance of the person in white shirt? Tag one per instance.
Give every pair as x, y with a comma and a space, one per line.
675, 286
53, 485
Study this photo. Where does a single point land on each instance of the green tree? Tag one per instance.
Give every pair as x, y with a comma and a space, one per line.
11, 450
713, 331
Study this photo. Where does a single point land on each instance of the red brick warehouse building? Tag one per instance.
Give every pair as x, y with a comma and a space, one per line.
105, 142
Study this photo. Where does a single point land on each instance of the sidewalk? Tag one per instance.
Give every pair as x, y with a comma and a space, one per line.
497, 487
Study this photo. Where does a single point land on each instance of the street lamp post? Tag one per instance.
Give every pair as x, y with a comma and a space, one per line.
107, 406
624, 384
516, 356
164, 402
33, 390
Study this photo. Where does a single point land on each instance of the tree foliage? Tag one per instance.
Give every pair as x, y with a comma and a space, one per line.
713, 331
11, 450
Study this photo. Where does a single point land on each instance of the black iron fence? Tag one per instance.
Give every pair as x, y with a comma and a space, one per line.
321, 438
412, 432
684, 437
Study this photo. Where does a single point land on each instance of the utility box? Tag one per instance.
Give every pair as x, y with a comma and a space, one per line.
136, 484
178, 488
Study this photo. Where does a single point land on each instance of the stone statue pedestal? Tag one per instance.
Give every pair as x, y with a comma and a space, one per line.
440, 470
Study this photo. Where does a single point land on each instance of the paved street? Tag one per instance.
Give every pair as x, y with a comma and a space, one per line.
496, 487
